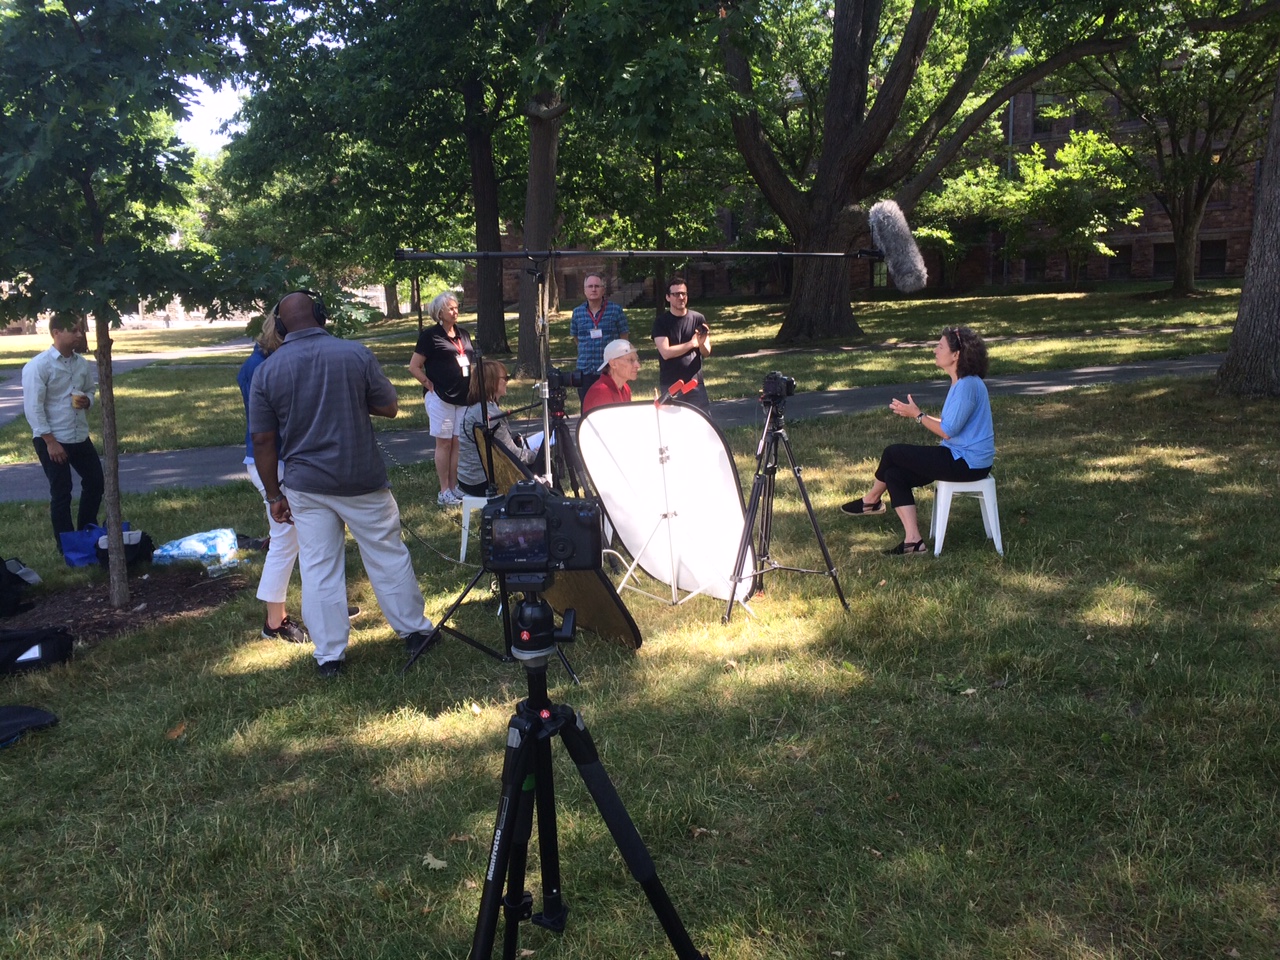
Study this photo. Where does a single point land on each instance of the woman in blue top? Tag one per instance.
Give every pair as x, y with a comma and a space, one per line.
968, 445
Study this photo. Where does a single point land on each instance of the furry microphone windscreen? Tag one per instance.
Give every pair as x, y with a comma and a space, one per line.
892, 237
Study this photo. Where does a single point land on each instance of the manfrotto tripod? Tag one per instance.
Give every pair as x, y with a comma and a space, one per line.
762, 487
527, 781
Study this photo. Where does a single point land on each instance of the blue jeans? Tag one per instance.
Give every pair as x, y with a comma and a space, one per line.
83, 458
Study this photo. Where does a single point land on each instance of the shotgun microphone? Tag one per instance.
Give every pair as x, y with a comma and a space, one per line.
892, 236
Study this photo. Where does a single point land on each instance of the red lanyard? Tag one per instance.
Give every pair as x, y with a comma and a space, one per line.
597, 317
459, 345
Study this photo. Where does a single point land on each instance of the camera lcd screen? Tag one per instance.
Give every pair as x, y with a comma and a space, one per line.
519, 542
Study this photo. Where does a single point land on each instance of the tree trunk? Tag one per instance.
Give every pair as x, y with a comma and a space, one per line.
819, 304
1186, 228
544, 117
1252, 367
491, 333
392, 296
117, 570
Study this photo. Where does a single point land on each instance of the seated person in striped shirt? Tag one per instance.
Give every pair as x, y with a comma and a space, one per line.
621, 364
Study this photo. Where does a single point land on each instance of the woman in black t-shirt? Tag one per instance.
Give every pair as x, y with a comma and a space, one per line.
442, 364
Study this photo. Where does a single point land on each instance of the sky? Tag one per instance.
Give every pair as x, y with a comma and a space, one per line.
208, 113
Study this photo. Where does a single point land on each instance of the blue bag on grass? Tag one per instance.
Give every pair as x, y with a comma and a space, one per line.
80, 547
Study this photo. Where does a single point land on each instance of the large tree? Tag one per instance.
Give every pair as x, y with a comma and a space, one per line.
90, 169
903, 89
1191, 115
1252, 366
369, 143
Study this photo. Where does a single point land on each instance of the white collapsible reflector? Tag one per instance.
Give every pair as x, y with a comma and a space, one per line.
670, 487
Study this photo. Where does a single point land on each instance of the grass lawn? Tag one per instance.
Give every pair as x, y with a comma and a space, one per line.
1066, 753
195, 402
17, 350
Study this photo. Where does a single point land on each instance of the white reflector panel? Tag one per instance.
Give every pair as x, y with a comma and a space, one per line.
670, 487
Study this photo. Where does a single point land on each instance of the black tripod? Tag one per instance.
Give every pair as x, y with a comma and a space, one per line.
527, 780
775, 429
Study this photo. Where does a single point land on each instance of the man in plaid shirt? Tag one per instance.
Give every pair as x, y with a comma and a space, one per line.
594, 324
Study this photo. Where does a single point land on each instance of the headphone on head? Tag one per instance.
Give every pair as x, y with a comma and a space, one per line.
318, 311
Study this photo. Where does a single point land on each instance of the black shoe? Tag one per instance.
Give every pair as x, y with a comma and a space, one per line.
352, 611
288, 631
857, 508
419, 641
916, 549
330, 668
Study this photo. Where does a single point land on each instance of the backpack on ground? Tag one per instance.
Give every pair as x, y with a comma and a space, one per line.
35, 649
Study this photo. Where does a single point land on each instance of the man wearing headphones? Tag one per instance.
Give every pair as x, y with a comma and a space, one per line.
318, 392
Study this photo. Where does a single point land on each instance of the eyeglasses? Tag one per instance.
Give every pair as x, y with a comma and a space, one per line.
679, 293
503, 379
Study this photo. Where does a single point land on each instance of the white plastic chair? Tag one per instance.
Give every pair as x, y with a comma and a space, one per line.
469, 503
984, 490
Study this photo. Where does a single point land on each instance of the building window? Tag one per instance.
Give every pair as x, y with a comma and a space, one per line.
879, 273
569, 288
1219, 196
1042, 114
1162, 260
1033, 268
1120, 267
1213, 258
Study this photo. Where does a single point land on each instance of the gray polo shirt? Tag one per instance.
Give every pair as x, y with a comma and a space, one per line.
316, 391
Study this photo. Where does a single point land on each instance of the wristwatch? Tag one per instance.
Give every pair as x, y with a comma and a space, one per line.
920, 418
269, 501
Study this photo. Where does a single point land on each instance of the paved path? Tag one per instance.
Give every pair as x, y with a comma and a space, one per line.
213, 466
11, 380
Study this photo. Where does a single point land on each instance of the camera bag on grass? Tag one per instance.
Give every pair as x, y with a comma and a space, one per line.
138, 548
12, 588
15, 721
22, 650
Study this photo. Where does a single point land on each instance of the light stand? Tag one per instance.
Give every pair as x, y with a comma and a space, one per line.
561, 458
527, 783
762, 489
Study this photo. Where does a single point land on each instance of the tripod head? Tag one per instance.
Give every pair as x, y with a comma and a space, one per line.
536, 636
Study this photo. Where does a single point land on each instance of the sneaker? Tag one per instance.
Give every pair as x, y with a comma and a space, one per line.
352, 611
458, 493
288, 631
330, 668
419, 641
446, 499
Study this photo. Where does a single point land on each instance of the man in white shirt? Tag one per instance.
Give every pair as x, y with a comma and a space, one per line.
57, 389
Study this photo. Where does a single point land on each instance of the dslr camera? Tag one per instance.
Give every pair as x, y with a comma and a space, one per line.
776, 388
532, 532
557, 383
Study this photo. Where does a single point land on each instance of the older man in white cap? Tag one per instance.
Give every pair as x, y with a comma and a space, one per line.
621, 364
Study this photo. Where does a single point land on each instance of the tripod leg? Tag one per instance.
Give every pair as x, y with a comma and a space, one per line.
748, 533
554, 912
577, 740
514, 815
813, 519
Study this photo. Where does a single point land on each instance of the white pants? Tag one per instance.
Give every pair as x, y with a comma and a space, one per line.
374, 521
273, 587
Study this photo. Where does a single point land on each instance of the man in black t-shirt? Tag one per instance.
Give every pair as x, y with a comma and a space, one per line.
683, 339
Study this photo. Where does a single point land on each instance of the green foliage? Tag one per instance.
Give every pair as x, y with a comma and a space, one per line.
91, 175
1083, 196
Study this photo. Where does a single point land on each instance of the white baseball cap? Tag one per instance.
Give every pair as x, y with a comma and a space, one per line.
615, 350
